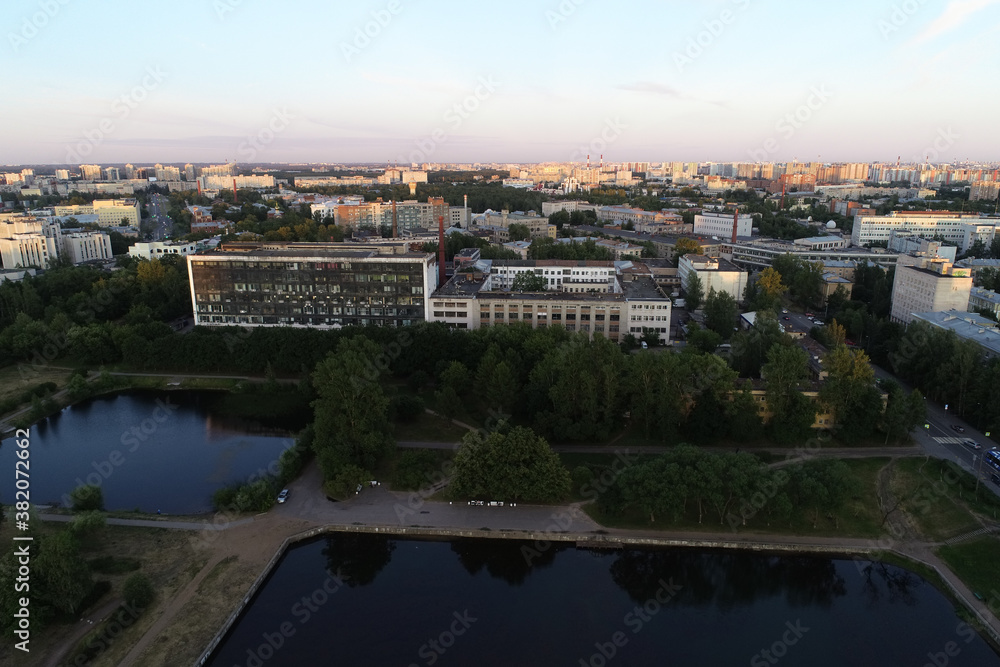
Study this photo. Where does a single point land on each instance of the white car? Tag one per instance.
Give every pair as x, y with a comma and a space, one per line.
283, 496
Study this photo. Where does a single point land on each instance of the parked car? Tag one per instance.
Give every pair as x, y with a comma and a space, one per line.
957, 428
283, 496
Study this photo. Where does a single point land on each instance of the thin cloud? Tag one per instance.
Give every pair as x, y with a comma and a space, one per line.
654, 88
953, 16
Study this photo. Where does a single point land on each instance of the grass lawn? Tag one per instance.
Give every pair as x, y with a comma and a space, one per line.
859, 516
975, 563
14, 382
166, 556
934, 505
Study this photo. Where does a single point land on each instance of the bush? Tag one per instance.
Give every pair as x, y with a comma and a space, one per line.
246, 497
407, 408
345, 482
417, 468
138, 590
87, 524
291, 463
86, 498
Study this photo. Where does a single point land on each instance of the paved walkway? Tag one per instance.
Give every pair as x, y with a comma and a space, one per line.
157, 523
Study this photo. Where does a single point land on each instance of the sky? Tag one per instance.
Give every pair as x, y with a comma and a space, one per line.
513, 81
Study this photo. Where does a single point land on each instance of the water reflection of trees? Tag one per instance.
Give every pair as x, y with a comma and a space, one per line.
895, 584
509, 560
727, 579
357, 557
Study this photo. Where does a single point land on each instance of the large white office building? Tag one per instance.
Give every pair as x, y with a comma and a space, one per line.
721, 225
961, 230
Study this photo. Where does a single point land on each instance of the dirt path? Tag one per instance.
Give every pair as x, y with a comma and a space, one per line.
254, 544
85, 625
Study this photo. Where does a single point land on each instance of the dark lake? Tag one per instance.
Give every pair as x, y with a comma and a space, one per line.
151, 450
350, 599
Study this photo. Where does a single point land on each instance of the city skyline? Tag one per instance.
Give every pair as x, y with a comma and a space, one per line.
737, 80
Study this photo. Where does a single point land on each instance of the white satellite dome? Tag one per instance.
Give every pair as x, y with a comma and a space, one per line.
831, 225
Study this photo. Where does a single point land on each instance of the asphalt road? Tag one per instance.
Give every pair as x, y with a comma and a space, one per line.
941, 441
162, 225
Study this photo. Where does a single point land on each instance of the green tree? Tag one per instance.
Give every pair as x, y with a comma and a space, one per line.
771, 288
518, 466
721, 313
528, 281
345, 481
61, 579
694, 291
705, 341
137, 590
352, 411
685, 246
791, 413
518, 232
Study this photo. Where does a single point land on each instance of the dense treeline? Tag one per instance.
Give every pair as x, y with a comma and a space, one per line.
952, 371
731, 488
88, 314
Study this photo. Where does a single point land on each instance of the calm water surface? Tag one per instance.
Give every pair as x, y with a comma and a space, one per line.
166, 451
477, 602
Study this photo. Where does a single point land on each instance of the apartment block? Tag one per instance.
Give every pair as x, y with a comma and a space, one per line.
86, 246
924, 285
324, 285
984, 190
29, 242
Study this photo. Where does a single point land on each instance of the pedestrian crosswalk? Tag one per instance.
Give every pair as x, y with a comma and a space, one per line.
948, 441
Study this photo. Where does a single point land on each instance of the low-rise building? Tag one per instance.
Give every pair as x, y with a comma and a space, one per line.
967, 326
715, 274
983, 299
761, 253
158, 249
610, 299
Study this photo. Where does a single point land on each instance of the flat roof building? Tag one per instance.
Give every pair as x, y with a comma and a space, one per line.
966, 326
924, 285
715, 274
612, 299
323, 285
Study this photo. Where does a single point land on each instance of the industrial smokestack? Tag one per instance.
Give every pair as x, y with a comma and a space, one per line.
588, 160
441, 276
736, 222
395, 227
235, 196
198, 181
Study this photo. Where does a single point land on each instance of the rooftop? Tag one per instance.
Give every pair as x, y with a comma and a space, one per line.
968, 326
642, 288
986, 295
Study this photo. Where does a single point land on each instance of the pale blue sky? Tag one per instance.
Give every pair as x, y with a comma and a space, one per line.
562, 74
